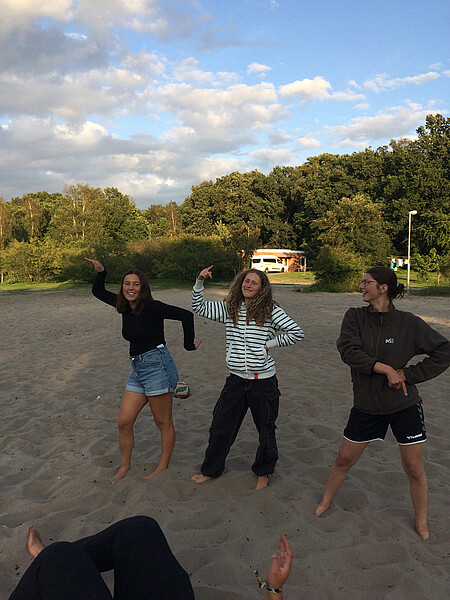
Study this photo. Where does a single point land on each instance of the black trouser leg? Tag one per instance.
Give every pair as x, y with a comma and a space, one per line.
144, 566
62, 571
264, 399
228, 415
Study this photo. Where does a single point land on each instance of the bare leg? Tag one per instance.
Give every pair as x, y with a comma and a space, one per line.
131, 405
348, 454
34, 542
161, 407
263, 482
200, 478
412, 462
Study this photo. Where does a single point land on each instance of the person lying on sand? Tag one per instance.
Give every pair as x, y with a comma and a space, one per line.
138, 553
254, 325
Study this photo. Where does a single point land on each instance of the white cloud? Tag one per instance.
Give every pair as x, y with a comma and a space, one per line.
362, 106
19, 13
381, 82
188, 70
307, 89
347, 96
258, 69
306, 141
317, 89
268, 157
383, 126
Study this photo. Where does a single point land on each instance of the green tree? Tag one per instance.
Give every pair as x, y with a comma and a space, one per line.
357, 225
123, 221
337, 269
81, 215
163, 220
236, 200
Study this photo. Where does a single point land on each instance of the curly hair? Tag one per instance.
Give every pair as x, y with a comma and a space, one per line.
122, 304
259, 308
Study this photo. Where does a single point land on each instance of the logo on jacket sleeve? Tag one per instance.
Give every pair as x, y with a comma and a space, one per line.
389, 341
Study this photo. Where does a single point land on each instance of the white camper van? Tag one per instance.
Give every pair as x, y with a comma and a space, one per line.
268, 263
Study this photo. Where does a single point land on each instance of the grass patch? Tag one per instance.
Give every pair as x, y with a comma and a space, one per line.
296, 278
431, 290
37, 287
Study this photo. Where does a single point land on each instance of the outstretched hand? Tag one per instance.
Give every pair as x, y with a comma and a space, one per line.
205, 273
281, 564
197, 344
96, 264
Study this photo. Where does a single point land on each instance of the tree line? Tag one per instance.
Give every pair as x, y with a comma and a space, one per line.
342, 210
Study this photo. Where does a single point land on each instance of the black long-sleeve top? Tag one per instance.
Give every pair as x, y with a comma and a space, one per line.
146, 331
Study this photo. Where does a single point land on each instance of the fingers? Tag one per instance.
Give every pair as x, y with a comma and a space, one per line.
197, 344
96, 264
405, 391
205, 273
284, 551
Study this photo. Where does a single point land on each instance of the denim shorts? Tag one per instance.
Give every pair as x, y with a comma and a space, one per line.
153, 373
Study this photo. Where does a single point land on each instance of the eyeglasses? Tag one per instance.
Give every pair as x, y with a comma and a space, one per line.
364, 282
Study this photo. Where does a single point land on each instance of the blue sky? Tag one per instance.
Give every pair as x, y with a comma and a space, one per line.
155, 96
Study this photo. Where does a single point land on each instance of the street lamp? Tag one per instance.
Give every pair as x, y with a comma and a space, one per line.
410, 213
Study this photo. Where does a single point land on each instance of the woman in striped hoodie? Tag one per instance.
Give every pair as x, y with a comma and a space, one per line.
254, 325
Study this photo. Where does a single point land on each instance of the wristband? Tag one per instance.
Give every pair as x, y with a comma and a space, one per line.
265, 585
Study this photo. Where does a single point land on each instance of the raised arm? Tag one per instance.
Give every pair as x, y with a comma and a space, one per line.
98, 286
216, 311
278, 573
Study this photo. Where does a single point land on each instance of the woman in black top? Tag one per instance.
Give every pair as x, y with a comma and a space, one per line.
154, 374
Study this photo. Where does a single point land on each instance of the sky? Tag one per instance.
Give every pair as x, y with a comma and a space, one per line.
153, 97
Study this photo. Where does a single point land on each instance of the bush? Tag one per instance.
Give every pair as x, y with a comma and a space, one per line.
24, 261
149, 255
337, 270
188, 254
116, 258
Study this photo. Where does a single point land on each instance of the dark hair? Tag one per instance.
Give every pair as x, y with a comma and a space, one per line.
122, 304
385, 275
259, 308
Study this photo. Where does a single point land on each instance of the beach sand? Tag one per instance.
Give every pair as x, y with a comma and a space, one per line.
64, 366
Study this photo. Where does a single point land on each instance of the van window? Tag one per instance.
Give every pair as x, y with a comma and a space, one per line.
256, 260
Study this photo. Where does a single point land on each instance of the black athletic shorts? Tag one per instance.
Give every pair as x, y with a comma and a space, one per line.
408, 426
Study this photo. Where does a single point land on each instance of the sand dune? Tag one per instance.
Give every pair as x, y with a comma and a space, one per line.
64, 365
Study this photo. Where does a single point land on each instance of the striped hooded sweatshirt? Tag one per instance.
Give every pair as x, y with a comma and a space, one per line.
246, 356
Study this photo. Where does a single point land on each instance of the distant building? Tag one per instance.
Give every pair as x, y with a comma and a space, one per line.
279, 260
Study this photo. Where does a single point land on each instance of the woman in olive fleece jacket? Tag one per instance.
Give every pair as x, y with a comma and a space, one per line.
377, 342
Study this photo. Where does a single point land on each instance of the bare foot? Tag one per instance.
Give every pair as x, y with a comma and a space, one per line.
200, 478
263, 481
323, 506
423, 532
120, 473
34, 542
158, 469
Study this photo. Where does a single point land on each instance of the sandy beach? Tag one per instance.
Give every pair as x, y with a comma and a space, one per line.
64, 367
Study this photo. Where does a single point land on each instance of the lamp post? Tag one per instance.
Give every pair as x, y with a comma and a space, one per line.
410, 213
